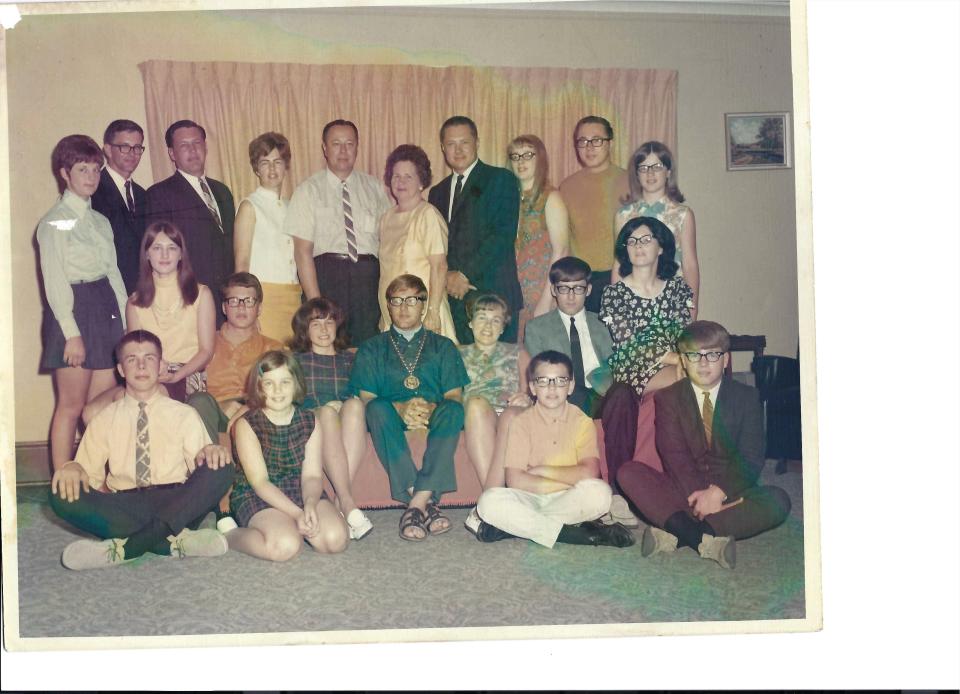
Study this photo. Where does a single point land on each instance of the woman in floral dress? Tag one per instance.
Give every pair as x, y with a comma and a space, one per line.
543, 232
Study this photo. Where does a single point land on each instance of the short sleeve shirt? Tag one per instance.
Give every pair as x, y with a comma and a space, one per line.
557, 438
378, 369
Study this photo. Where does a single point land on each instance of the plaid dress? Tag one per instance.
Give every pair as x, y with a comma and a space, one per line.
325, 376
283, 451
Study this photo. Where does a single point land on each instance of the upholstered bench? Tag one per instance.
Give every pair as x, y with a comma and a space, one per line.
371, 488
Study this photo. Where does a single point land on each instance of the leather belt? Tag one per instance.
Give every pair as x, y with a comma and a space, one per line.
152, 486
343, 256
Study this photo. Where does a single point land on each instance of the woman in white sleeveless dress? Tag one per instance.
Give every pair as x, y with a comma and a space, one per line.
259, 244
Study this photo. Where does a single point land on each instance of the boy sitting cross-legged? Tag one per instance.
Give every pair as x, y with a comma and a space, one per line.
710, 438
553, 493
164, 474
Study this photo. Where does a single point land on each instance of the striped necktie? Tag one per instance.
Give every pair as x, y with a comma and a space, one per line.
208, 198
348, 223
128, 187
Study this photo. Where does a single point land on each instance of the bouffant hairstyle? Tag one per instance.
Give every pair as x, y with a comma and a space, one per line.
72, 150
666, 265
146, 290
488, 301
703, 334
541, 163
415, 156
666, 158
263, 144
312, 309
269, 361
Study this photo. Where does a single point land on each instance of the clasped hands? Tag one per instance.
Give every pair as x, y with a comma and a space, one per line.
457, 284
308, 523
416, 412
704, 502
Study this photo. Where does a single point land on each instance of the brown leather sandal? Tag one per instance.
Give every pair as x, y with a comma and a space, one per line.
413, 518
434, 515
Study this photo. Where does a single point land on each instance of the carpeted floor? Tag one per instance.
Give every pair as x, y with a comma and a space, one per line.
383, 582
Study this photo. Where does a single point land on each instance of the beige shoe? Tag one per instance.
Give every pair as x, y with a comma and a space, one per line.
722, 550
656, 540
94, 554
197, 543
621, 513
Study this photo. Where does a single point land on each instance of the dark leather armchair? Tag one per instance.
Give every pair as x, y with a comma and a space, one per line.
778, 380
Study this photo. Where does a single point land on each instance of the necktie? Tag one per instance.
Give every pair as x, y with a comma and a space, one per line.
576, 355
348, 223
208, 198
129, 188
456, 193
708, 417
143, 448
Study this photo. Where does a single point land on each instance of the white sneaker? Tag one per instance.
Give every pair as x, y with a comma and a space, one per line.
197, 543
360, 526
621, 513
94, 554
473, 522
226, 524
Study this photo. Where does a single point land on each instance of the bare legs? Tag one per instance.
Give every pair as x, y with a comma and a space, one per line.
273, 535
75, 387
486, 438
344, 442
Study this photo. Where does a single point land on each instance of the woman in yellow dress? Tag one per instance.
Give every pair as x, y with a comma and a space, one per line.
413, 238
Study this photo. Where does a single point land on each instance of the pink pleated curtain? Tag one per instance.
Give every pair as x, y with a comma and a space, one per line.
396, 104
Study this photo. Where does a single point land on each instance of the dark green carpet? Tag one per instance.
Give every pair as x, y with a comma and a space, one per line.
383, 582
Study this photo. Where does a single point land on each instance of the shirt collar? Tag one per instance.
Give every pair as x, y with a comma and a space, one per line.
405, 334
466, 172
75, 202
117, 178
335, 180
698, 392
131, 401
194, 180
548, 417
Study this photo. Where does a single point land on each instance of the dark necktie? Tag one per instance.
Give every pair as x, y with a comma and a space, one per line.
707, 417
211, 205
129, 188
576, 355
456, 193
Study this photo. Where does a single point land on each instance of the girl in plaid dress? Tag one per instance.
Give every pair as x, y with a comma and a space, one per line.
278, 498
319, 345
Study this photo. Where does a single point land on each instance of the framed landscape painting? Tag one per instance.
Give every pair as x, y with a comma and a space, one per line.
758, 141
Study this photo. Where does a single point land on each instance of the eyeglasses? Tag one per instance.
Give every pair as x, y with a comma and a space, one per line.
526, 156
594, 142
656, 168
639, 240
409, 300
126, 149
234, 301
544, 382
564, 289
695, 356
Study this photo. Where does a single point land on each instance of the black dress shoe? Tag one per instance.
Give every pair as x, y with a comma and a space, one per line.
615, 535
490, 533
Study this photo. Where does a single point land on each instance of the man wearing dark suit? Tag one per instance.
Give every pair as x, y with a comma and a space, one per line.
120, 199
481, 209
709, 432
200, 207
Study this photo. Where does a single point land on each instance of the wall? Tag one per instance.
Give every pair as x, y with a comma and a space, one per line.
76, 73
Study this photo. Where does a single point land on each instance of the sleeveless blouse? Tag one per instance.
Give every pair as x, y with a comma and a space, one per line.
533, 253
271, 253
169, 319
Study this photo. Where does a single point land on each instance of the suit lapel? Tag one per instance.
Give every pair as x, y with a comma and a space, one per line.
473, 186
693, 422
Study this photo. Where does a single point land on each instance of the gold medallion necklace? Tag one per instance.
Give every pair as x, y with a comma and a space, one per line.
411, 382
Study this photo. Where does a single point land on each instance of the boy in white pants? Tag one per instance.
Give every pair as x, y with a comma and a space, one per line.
552, 463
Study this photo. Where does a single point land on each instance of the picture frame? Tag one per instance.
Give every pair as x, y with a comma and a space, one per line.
758, 141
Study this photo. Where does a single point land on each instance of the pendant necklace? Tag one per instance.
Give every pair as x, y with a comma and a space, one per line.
411, 382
